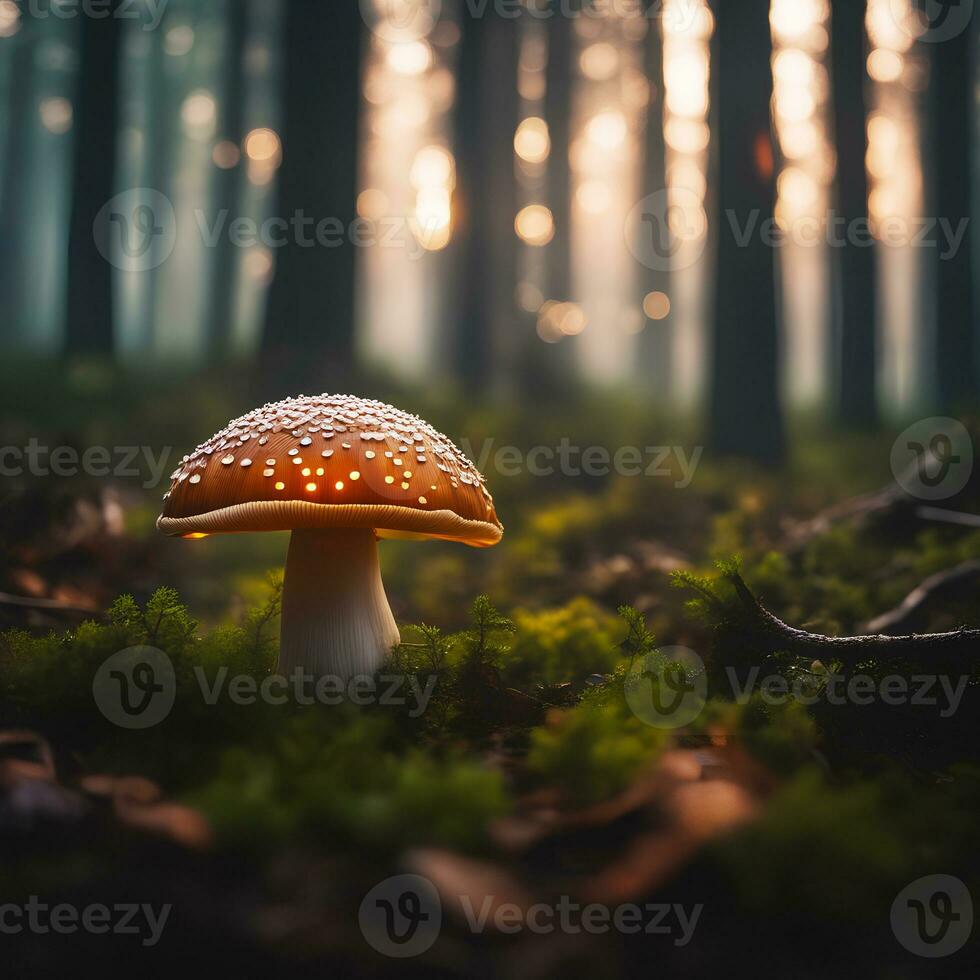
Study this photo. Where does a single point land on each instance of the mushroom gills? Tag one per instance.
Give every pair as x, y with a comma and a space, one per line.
336, 620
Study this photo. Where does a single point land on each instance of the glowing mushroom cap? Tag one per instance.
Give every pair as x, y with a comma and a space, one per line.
325, 461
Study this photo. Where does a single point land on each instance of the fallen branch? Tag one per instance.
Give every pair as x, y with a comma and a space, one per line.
768, 634
857, 509
942, 583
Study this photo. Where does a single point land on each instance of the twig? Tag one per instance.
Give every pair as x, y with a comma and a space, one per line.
7, 599
928, 589
948, 516
856, 509
768, 634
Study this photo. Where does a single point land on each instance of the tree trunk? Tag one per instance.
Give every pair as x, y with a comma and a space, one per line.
653, 363
548, 370
558, 113
23, 98
855, 328
950, 117
90, 275
160, 145
486, 196
745, 411
309, 329
231, 127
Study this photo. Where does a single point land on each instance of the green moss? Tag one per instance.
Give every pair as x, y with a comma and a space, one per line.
843, 851
336, 778
562, 643
594, 750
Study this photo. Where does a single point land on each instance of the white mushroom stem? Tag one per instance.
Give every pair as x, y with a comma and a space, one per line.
335, 615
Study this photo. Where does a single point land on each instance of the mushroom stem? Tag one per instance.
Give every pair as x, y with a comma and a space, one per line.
335, 615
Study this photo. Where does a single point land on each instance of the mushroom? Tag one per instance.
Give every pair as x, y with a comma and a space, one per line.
339, 472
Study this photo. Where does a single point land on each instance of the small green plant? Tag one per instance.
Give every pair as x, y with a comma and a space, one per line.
593, 751
336, 778
561, 643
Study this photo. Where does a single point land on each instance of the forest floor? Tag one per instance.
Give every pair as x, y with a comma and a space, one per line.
596, 754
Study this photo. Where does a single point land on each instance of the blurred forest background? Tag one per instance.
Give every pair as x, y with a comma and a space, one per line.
545, 200
527, 222
737, 230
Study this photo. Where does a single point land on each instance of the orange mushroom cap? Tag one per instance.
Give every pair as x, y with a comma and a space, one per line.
331, 461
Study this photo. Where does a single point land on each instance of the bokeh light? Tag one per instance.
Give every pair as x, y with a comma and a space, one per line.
199, 115
56, 115
599, 61
263, 145
226, 155
9, 18
535, 225
179, 40
656, 305
531, 141
410, 57
607, 130
372, 204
